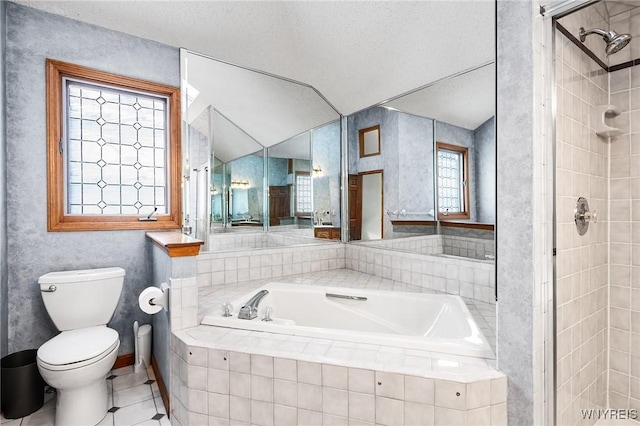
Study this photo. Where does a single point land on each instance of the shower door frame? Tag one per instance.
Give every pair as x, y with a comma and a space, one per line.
549, 14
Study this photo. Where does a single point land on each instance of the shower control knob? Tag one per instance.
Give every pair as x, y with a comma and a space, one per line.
582, 216
591, 216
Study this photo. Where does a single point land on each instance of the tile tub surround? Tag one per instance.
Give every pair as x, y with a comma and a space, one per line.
254, 240
217, 381
237, 266
474, 247
470, 278
431, 244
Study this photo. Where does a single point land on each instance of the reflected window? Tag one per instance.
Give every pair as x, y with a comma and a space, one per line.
453, 193
369, 141
113, 151
303, 194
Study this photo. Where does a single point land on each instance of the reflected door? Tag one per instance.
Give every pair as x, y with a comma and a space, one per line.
371, 189
355, 207
279, 204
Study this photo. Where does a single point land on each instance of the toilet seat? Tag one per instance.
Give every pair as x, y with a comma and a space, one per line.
78, 348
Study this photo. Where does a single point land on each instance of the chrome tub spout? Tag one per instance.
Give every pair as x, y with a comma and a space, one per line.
250, 309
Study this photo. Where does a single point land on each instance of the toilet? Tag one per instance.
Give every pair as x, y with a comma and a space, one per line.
77, 361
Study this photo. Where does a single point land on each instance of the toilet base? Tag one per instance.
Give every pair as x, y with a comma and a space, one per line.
82, 406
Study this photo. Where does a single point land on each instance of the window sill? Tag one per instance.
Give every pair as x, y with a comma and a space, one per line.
176, 244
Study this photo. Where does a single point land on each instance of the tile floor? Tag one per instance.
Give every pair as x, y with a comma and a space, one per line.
134, 399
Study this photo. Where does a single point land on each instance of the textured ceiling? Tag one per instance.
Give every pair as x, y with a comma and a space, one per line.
355, 53
467, 100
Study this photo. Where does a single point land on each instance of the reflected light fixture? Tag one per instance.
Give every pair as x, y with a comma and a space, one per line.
317, 170
240, 183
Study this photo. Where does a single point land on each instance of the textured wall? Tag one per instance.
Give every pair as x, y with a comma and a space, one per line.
415, 165
3, 192
515, 162
387, 160
485, 173
278, 168
33, 36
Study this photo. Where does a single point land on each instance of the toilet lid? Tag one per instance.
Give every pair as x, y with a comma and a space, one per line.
73, 346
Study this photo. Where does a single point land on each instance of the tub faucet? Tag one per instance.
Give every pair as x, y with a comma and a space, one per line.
250, 309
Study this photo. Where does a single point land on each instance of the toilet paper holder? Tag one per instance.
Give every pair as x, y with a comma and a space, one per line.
162, 300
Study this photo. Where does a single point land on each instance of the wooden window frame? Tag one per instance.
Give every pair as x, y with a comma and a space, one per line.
295, 210
361, 133
57, 217
465, 172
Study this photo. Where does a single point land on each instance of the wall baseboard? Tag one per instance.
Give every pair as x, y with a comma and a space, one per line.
161, 386
124, 361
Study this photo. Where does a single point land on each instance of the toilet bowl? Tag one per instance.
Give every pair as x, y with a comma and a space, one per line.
77, 361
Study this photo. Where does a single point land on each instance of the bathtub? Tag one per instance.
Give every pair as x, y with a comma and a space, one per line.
428, 322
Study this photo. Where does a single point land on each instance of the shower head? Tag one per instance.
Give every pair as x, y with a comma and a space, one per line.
615, 42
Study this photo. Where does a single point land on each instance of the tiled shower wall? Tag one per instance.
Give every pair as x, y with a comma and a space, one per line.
581, 262
624, 326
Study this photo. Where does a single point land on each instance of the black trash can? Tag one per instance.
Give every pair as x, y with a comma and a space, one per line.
22, 385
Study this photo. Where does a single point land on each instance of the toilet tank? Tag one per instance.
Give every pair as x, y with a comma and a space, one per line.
83, 298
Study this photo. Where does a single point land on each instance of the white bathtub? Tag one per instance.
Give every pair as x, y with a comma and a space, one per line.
429, 322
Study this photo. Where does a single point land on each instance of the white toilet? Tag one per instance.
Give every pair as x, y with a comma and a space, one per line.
77, 361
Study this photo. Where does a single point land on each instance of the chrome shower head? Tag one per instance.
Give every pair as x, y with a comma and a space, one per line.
615, 42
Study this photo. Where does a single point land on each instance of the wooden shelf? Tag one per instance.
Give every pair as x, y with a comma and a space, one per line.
329, 233
176, 244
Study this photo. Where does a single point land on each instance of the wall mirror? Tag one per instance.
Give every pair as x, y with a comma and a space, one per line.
289, 177
438, 160
249, 146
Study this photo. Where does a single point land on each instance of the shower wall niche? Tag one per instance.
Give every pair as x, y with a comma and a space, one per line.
597, 286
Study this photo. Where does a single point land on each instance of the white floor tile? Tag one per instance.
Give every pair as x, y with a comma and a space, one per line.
133, 395
149, 423
107, 421
136, 413
160, 405
129, 380
44, 418
122, 371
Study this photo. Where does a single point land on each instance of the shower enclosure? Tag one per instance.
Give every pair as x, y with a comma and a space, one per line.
595, 101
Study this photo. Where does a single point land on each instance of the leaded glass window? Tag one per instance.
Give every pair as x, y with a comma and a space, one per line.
303, 193
451, 181
116, 144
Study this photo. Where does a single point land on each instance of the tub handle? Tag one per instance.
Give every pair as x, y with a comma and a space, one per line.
345, 296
